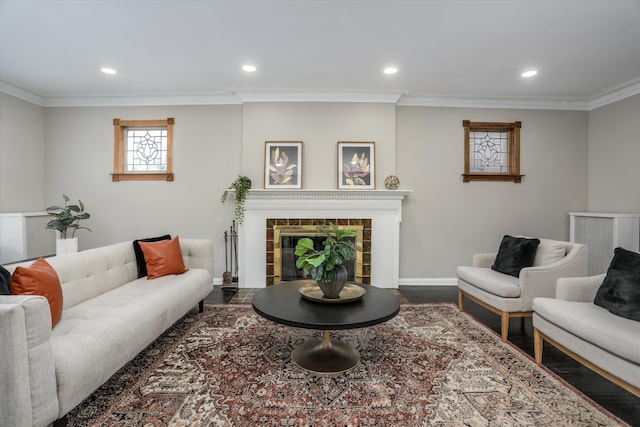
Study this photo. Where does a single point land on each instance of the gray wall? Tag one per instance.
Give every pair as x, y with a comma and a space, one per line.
22, 155
614, 157
446, 220
79, 143
567, 157
319, 126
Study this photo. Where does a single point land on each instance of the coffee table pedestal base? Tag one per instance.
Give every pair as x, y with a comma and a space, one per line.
326, 356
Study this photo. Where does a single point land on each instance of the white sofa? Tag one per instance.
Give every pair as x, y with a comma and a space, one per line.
604, 342
109, 316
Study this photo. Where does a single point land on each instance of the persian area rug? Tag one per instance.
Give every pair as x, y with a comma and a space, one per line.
430, 365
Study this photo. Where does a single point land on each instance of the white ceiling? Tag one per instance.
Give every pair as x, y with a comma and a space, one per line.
449, 52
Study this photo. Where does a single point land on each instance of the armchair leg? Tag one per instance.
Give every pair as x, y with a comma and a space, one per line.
460, 300
504, 326
538, 342
201, 306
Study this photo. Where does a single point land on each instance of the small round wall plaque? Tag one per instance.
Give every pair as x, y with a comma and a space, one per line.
392, 182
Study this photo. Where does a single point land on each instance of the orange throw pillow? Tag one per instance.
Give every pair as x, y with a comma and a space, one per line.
39, 279
163, 258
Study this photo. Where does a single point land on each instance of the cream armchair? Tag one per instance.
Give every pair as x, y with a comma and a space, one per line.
510, 296
602, 341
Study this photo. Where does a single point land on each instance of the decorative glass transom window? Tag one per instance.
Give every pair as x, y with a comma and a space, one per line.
143, 149
491, 151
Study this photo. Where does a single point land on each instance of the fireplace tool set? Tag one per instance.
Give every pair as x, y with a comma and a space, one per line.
229, 279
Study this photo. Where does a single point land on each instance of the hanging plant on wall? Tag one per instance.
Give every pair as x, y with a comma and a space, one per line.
241, 187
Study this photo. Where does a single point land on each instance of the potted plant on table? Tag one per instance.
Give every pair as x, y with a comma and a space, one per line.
67, 221
325, 264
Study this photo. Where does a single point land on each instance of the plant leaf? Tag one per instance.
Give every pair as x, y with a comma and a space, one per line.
304, 245
313, 260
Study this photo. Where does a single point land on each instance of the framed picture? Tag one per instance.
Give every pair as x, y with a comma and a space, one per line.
356, 165
283, 164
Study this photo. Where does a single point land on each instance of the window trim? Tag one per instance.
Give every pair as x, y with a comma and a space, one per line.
119, 172
513, 131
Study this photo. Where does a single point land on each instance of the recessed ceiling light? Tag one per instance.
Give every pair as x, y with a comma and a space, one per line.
529, 73
108, 70
390, 70
249, 68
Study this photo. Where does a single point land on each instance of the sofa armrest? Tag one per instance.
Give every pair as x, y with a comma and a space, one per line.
28, 391
540, 281
198, 253
484, 260
579, 289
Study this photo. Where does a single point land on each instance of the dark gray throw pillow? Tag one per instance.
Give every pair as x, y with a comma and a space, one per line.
5, 278
620, 289
515, 253
140, 261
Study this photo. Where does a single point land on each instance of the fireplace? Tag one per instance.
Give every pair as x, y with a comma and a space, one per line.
383, 208
283, 234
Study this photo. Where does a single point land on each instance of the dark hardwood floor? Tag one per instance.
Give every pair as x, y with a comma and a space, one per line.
615, 399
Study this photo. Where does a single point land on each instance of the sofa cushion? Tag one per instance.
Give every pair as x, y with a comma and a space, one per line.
86, 274
549, 251
620, 290
39, 279
593, 324
140, 261
5, 278
163, 258
490, 281
515, 253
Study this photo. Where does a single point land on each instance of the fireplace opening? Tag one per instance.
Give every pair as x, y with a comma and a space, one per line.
283, 235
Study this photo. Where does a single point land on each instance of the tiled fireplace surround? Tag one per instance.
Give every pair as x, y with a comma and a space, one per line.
264, 208
304, 226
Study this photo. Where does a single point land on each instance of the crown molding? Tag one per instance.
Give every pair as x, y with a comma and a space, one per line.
618, 93
479, 102
222, 98
329, 194
135, 100
316, 96
24, 94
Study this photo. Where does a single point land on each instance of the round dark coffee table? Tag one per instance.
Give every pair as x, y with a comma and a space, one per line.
283, 304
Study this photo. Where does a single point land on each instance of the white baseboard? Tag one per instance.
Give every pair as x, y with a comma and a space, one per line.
444, 281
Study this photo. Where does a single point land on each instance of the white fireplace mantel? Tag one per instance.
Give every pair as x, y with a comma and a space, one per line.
384, 207
329, 194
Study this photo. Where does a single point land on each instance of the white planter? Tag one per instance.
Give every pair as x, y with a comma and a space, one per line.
66, 246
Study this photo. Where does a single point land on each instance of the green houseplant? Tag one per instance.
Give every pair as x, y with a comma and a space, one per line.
67, 217
66, 220
325, 263
241, 187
